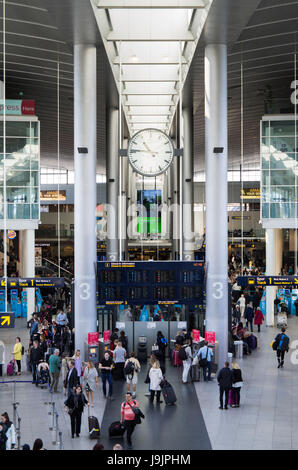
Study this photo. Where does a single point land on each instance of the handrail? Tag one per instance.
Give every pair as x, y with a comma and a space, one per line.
57, 266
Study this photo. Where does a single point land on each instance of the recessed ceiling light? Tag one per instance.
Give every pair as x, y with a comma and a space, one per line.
134, 58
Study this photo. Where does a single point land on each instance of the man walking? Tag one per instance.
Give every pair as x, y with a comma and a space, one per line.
249, 316
224, 379
72, 379
205, 360
186, 362
55, 365
282, 342
35, 356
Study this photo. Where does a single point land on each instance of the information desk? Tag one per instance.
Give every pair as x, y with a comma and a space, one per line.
157, 282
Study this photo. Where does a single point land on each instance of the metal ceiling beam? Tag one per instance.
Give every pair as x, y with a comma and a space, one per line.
166, 80
137, 4
133, 37
150, 94
150, 62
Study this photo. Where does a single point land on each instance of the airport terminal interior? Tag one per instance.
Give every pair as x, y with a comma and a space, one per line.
148, 202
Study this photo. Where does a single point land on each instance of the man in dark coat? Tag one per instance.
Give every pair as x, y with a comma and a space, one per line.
35, 356
224, 379
249, 316
72, 379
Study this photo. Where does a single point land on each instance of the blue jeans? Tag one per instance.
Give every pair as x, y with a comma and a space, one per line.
209, 368
107, 376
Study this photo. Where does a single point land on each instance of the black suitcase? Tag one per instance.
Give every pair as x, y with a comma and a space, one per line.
168, 393
195, 373
94, 430
116, 429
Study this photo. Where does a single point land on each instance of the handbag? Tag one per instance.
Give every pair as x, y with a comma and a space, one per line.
70, 411
138, 414
204, 362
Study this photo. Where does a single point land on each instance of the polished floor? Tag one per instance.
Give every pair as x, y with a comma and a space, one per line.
267, 418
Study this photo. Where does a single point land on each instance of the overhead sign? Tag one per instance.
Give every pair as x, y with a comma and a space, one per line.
210, 337
250, 193
17, 107
6, 319
245, 281
196, 336
52, 195
16, 282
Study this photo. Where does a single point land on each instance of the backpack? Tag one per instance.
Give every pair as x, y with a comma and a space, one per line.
182, 354
129, 368
164, 341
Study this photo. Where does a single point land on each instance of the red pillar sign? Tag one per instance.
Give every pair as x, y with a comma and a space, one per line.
196, 336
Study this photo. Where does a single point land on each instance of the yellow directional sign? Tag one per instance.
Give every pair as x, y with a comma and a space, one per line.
4, 320
296, 280
3, 283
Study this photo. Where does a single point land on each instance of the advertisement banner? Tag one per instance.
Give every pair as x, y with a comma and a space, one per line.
38, 257
17, 107
93, 339
210, 337
196, 336
106, 336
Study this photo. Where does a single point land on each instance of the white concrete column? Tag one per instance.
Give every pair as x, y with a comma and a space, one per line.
216, 135
85, 192
124, 196
28, 266
274, 250
187, 182
112, 186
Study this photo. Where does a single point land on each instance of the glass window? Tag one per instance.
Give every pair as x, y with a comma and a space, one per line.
283, 144
266, 194
282, 161
265, 161
282, 211
265, 128
18, 195
34, 178
34, 129
265, 178
18, 161
265, 210
35, 211
265, 147
34, 195
282, 128
282, 178
16, 128
282, 194
21, 145
18, 211
17, 178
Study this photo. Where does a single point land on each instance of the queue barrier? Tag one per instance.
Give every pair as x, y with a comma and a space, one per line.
57, 439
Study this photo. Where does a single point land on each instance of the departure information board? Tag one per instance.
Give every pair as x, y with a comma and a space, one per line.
157, 282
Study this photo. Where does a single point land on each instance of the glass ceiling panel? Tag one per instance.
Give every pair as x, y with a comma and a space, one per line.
145, 46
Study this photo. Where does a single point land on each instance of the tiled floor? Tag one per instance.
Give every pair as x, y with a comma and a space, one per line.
32, 408
267, 418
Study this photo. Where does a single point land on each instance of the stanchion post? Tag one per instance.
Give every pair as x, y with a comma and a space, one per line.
56, 438
19, 433
60, 441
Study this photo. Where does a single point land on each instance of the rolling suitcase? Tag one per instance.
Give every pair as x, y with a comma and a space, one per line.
10, 368
252, 341
195, 373
116, 429
94, 430
168, 393
176, 361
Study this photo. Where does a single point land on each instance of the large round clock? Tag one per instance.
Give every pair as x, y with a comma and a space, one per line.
150, 152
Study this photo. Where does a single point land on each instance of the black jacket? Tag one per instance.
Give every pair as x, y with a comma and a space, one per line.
236, 376
36, 355
70, 402
73, 379
224, 377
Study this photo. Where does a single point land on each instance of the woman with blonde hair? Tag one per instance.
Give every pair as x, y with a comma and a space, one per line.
237, 383
78, 363
155, 376
91, 380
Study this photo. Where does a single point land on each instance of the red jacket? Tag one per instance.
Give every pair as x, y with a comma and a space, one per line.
259, 317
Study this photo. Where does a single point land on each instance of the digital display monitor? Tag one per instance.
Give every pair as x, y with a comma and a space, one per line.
149, 215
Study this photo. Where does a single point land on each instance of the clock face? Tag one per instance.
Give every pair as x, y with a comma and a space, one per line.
150, 152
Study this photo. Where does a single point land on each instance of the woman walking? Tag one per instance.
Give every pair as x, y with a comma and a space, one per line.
9, 431
236, 384
75, 407
155, 376
90, 380
17, 353
78, 362
259, 318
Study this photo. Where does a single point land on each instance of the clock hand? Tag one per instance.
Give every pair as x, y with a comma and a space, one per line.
150, 151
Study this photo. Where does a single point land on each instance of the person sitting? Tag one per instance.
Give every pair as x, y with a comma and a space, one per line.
43, 373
